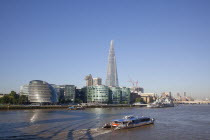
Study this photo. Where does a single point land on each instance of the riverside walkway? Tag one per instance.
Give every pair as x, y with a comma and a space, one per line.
192, 102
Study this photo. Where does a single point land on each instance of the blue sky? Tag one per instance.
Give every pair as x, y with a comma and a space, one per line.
163, 44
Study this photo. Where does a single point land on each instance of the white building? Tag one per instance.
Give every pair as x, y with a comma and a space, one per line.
24, 90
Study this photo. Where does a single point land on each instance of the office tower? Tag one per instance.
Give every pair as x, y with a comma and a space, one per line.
69, 93
97, 94
97, 81
89, 80
116, 95
111, 77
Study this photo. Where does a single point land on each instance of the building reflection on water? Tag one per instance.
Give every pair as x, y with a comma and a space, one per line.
35, 115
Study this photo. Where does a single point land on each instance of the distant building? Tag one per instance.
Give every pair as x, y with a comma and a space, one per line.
148, 97
134, 96
137, 90
97, 94
166, 94
81, 94
89, 80
24, 90
116, 94
59, 90
97, 81
69, 93
111, 76
104, 94
66, 93
42, 92
184, 98
126, 95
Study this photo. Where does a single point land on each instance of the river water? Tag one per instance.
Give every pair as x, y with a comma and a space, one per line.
183, 122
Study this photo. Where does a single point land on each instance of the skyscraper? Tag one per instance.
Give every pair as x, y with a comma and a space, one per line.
97, 81
111, 76
89, 80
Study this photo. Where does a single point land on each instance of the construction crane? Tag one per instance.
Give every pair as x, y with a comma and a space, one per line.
135, 84
132, 82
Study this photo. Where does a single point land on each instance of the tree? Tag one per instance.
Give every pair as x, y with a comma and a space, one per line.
139, 100
11, 98
23, 99
78, 101
14, 97
7, 99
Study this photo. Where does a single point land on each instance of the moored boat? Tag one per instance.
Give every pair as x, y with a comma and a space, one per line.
129, 122
161, 102
75, 108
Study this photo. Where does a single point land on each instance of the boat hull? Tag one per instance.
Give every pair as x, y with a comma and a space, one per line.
135, 125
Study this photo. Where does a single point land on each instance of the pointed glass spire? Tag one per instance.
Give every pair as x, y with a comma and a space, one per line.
111, 76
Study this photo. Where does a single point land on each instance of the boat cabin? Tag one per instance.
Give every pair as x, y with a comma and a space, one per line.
129, 120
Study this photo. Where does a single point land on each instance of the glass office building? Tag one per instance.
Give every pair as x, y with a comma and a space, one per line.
116, 95
42, 92
97, 94
126, 93
104, 94
69, 93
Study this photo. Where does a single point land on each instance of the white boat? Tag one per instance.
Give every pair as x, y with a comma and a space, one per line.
129, 122
161, 102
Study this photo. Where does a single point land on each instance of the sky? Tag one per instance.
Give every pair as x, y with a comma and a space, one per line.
163, 44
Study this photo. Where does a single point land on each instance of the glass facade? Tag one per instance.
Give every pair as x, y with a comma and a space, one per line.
126, 95
59, 90
81, 94
70, 92
42, 92
111, 76
116, 95
97, 94
24, 90
105, 94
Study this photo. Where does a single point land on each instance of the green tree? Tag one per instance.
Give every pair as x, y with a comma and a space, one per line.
78, 100
14, 97
139, 100
6, 99
23, 99
125, 102
11, 98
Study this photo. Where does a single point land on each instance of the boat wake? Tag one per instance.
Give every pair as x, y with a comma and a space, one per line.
88, 133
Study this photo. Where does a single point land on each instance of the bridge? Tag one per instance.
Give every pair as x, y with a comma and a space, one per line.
191, 102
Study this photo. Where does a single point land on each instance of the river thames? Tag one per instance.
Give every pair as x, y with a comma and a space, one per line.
182, 122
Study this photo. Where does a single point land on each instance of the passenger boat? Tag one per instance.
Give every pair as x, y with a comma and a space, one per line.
129, 122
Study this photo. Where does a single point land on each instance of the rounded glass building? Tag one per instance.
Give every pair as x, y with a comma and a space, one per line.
41, 92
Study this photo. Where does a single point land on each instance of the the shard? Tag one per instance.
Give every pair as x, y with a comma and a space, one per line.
111, 76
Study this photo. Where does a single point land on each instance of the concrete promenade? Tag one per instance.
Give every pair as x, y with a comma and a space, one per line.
6, 107
191, 102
